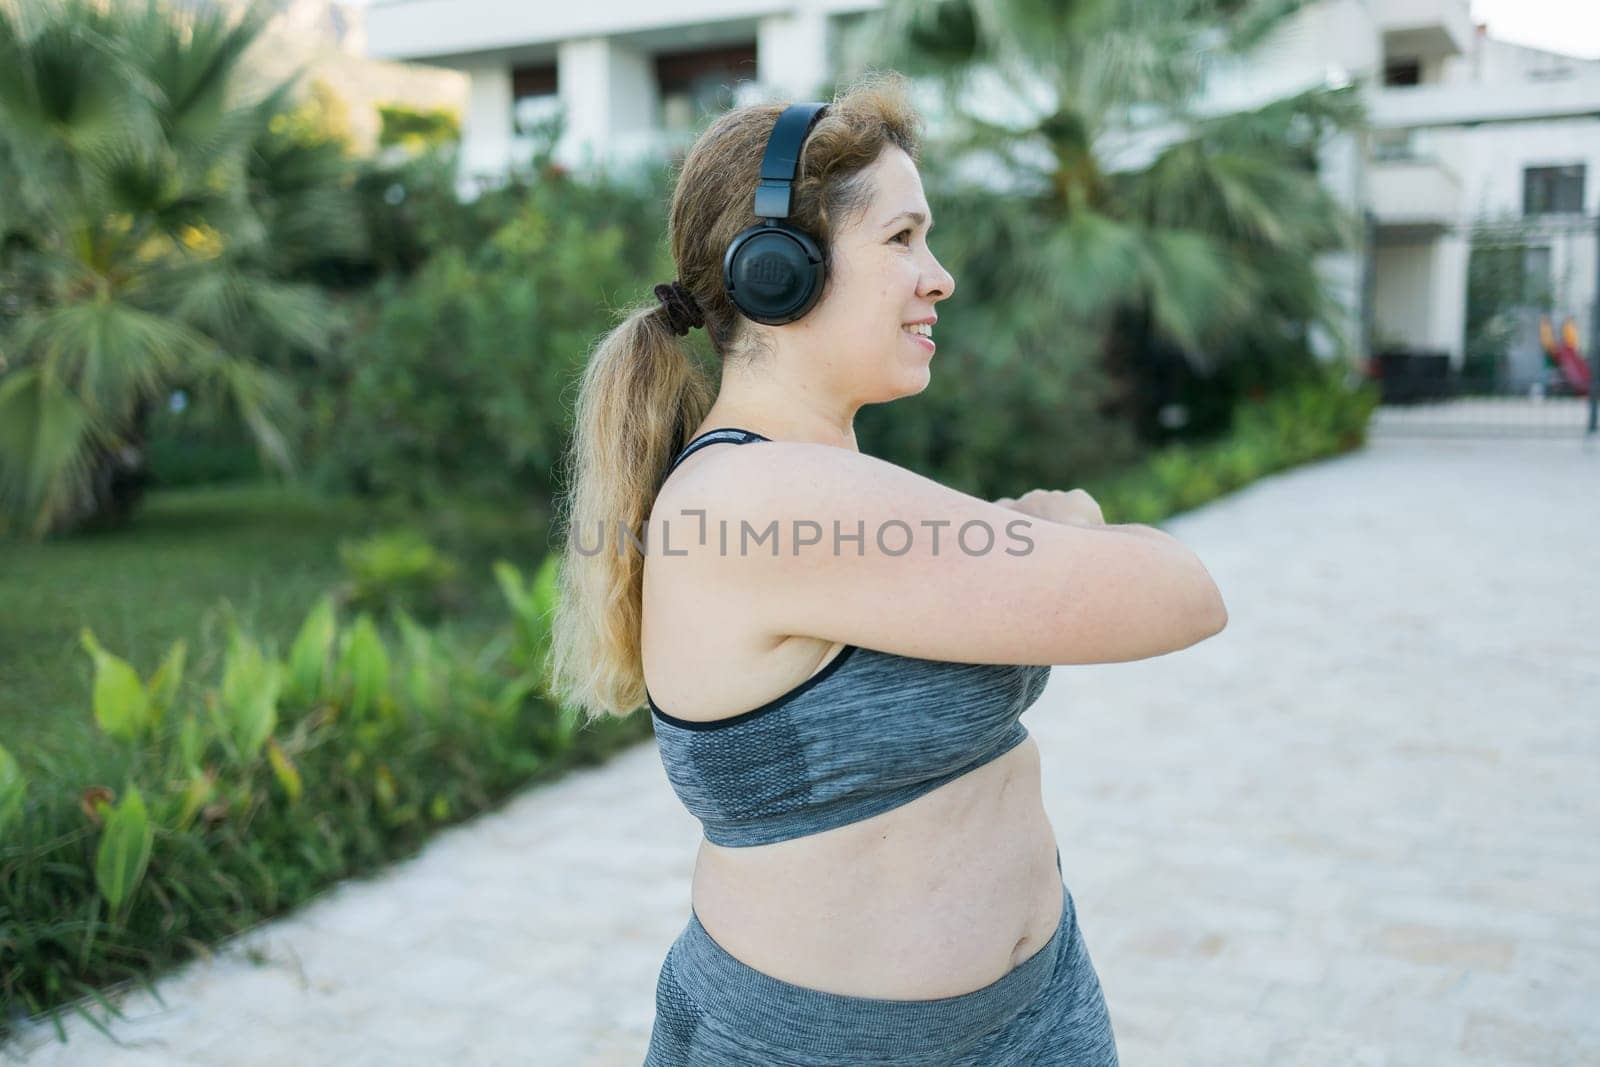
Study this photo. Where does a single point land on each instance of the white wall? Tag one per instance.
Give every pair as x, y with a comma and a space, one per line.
792, 51
1494, 62
486, 132
1490, 159
610, 96
1403, 294
1447, 320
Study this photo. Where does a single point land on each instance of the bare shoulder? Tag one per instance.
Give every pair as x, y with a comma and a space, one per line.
809, 539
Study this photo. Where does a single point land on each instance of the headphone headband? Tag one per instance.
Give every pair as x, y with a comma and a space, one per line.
781, 161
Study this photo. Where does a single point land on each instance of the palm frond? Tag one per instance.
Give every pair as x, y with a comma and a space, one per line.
1192, 286
47, 443
108, 353
230, 304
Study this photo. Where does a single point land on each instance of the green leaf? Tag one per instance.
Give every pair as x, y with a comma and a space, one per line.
124, 850
427, 667
13, 790
247, 711
365, 668
285, 771
121, 704
310, 654
47, 443
163, 685
190, 743
197, 792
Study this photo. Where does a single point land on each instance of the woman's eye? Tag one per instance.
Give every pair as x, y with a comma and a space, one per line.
903, 233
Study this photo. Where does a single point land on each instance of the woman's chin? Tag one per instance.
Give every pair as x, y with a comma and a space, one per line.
916, 378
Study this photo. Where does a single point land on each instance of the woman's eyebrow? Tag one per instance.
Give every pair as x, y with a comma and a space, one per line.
915, 216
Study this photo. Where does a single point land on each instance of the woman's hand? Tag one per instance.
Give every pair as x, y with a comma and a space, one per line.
1074, 506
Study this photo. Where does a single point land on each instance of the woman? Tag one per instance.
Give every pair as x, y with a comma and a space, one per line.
837, 649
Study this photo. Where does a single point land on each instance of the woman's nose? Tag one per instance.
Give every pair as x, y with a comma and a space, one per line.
940, 284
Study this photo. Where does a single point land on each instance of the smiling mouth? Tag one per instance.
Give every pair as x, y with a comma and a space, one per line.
923, 339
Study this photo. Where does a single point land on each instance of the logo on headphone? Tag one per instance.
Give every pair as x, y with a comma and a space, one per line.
770, 273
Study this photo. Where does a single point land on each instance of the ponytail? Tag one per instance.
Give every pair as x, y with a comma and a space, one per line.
640, 397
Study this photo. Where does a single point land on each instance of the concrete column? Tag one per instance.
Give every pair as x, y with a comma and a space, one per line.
1341, 172
610, 96
1447, 325
583, 78
792, 51
486, 128
635, 106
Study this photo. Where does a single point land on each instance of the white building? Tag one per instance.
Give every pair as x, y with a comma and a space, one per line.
1476, 130
630, 75
1462, 126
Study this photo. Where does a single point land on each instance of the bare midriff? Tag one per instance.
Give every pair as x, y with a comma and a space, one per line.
936, 898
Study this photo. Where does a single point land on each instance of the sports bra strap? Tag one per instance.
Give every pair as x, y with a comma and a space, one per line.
711, 437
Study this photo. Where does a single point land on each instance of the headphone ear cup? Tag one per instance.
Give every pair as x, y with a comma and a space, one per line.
773, 273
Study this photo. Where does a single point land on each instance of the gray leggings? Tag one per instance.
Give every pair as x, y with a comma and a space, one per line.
712, 1010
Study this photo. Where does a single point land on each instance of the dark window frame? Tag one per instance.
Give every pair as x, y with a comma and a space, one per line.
682, 71
541, 80
1554, 190
707, 76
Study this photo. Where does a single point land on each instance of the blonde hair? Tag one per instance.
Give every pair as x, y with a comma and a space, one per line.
641, 394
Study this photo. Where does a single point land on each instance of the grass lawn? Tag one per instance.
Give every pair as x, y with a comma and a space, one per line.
266, 553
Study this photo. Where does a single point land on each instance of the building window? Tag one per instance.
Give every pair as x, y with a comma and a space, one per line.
1552, 190
535, 99
1407, 71
1389, 146
695, 84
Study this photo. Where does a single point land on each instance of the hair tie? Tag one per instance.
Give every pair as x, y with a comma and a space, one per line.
683, 311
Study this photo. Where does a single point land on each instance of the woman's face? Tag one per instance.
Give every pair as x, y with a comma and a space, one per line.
884, 276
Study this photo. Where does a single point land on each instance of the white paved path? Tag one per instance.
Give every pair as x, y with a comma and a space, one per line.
1360, 827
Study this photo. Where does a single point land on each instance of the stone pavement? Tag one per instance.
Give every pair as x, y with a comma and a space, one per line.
1359, 827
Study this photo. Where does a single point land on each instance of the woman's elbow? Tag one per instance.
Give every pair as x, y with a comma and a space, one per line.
1213, 613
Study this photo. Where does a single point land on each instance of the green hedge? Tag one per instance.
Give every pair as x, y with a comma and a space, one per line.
1325, 415
457, 381
232, 801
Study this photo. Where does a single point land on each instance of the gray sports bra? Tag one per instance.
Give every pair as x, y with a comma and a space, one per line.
867, 733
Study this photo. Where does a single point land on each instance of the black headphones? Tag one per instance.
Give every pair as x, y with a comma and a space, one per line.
773, 272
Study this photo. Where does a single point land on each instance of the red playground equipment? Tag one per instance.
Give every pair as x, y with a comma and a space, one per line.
1566, 356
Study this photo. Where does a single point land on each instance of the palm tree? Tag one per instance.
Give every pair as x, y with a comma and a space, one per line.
1138, 224
136, 254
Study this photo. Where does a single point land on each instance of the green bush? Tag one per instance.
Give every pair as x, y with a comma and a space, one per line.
417, 128
1325, 415
399, 571
229, 800
456, 381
